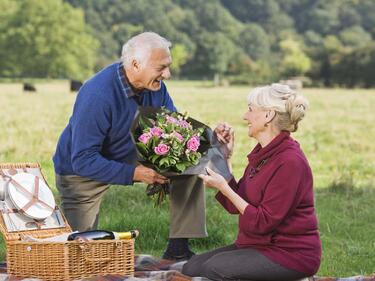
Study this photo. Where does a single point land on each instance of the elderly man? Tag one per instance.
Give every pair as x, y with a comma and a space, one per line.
96, 149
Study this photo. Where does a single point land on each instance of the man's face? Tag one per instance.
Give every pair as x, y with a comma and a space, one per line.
155, 70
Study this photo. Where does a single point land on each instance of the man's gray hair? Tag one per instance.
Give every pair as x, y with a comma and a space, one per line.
140, 46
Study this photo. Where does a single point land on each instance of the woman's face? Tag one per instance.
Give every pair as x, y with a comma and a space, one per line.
256, 118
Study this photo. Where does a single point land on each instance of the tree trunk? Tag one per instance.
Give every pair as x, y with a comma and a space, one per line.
217, 79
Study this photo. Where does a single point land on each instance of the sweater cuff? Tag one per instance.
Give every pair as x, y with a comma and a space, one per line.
233, 184
220, 198
248, 216
128, 174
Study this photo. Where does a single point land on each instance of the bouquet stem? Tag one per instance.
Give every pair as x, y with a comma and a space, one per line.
158, 192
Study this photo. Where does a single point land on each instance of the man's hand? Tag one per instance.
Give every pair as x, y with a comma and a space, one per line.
147, 175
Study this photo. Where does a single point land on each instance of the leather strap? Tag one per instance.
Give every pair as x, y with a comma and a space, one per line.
12, 172
9, 211
34, 196
34, 199
37, 223
3, 175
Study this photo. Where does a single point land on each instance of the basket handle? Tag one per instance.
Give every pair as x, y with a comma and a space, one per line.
85, 250
97, 259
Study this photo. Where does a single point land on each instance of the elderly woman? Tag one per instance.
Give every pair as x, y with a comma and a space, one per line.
278, 236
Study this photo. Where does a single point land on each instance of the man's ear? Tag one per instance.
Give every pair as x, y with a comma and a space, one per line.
136, 65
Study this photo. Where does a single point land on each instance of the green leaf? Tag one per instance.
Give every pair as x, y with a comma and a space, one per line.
154, 158
180, 167
154, 141
195, 162
145, 123
164, 162
142, 148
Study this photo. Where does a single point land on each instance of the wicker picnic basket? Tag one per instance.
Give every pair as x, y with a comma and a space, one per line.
68, 260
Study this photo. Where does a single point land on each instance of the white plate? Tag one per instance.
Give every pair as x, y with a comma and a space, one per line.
20, 198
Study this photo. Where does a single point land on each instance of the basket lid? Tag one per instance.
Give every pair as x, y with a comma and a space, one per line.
34, 188
31, 195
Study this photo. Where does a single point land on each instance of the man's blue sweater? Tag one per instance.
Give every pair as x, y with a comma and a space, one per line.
97, 141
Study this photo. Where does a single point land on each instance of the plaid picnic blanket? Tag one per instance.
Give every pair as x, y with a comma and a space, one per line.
149, 268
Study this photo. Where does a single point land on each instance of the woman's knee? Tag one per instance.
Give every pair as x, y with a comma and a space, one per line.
215, 271
192, 267
188, 269
215, 274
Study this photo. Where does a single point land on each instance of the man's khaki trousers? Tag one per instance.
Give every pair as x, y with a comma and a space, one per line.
81, 198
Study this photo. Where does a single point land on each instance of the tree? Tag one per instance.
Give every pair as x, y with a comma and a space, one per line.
266, 13
354, 36
179, 57
253, 28
366, 8
215, 51
295, 61
313, 39
348, 16
321, 16
254, 42
8, 9
123, 31
356, 68
331, 53
211, 16
46, 38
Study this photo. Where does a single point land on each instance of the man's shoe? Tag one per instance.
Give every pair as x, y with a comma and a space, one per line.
184, 257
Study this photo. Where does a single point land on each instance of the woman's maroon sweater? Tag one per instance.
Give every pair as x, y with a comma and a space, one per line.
280, 219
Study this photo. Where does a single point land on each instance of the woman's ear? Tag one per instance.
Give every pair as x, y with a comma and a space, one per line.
270, 115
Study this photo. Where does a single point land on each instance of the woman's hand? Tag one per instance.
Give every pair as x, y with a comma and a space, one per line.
225, 135
214, 180
217, 181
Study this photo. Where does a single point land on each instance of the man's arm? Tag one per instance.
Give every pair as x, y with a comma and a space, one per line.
90, 125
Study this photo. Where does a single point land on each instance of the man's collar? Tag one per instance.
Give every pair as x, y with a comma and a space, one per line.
125, 85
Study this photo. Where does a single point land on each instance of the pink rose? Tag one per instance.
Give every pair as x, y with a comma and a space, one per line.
171, 119
184, 124
161, 149
144, 137
178, 136
156, 131
193, 143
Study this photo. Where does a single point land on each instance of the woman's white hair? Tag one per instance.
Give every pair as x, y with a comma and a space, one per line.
289, 106
140, 46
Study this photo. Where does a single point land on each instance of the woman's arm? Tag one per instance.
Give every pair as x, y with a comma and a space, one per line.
225, 202
232, 199
280, 197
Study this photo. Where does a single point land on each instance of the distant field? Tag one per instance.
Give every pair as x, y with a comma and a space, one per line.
337, 136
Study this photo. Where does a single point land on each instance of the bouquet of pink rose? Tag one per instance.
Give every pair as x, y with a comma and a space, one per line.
169, 142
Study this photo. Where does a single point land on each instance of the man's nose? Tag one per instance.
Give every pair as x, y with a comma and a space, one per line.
166, 73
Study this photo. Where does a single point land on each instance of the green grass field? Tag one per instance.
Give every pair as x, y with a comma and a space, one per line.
337, 137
